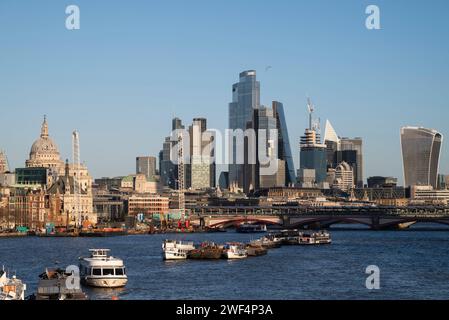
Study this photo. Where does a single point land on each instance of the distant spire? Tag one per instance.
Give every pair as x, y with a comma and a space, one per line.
44, 130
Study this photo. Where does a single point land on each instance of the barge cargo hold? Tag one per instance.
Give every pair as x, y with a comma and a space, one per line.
207, 251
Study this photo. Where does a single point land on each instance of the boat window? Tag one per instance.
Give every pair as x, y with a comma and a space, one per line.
119, 272
96, 271
108, 272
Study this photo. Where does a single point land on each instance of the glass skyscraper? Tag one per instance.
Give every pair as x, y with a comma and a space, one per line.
245, 98
284, 149
421, 156
349, 148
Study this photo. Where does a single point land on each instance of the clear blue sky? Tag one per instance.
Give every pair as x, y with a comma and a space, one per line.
134, 64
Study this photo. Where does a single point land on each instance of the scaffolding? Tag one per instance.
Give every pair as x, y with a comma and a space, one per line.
181, 176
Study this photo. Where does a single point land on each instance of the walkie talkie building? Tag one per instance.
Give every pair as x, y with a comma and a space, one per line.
421, 156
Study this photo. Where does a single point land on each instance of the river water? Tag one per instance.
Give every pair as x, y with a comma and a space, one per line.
413, 265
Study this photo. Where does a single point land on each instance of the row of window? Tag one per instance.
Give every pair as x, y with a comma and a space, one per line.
104, 272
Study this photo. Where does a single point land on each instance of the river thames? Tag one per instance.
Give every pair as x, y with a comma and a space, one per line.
413, 265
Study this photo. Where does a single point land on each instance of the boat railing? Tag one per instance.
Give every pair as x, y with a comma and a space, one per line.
99, 253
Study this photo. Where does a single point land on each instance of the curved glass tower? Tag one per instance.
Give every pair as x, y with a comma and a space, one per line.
421, 156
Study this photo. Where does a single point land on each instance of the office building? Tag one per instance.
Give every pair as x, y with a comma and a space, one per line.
245, 99
312, 152
147, 166
421, 156
202, 166
167, 169
284, 149
34, 177
344, 177
427, 195
382, 182
251, 167
347, 150
352, 153
147, 205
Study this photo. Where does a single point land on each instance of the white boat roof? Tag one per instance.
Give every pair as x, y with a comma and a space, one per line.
103, 262
101, 258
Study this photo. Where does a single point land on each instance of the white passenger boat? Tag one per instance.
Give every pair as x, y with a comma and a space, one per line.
235, 251
322, 237
176, 250
11, 288
101, 270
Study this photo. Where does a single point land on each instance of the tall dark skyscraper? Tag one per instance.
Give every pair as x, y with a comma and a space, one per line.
351, 147
245, 99
284, 149
168, 170
421, 156
251, 169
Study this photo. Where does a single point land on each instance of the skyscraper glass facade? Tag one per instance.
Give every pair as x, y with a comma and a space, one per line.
314, 157
284, 149
245, 98
421, 155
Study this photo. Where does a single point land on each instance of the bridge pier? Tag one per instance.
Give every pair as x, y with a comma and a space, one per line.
375, 223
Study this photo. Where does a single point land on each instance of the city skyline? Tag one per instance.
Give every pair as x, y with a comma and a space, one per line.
114, 104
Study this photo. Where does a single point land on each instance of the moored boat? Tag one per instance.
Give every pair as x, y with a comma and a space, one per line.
256, 249
103, 232
101, 270
270, 242
176, 250
235, 251
53, 285
207, 250
251, 228
322, 237
302, 238
11, 288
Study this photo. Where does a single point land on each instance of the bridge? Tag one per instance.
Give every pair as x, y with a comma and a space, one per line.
376, 218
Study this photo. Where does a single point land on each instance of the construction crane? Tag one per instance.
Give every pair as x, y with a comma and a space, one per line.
311, 109
181, 174
76, 181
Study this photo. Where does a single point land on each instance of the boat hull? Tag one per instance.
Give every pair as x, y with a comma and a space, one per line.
234, 256
109, 283
174, 256
256, 251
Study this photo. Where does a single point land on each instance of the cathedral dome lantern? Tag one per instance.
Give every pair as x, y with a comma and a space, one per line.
45, 153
